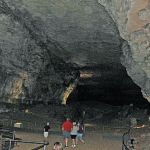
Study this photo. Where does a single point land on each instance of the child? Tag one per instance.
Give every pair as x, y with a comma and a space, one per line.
58, 146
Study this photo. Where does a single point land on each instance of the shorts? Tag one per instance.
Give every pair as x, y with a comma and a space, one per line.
73, 136
80, 136
45, 134
66, 134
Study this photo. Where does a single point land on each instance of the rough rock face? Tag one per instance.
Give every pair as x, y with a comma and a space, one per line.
42, 44
133, 20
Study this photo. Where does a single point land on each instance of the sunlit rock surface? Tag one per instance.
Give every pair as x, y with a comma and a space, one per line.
133, 21
43, 43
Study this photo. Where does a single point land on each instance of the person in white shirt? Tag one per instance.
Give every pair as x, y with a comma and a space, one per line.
74, 133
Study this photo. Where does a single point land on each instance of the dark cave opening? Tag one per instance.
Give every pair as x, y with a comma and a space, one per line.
111, 85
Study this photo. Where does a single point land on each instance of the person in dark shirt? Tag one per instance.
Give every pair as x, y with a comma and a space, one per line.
81, 132
46, 130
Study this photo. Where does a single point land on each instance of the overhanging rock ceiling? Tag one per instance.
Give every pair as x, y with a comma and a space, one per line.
43, 43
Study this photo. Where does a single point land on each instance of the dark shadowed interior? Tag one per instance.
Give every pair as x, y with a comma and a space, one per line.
110, 84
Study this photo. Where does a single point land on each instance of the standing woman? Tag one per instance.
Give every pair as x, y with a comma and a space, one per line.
46, 130
74, 133
81, 132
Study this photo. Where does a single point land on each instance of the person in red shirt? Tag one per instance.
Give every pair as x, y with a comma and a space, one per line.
66, 129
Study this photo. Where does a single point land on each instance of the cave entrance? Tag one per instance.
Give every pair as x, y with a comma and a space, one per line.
107, 84
106, 92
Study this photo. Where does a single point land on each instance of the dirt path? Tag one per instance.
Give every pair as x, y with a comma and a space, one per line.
94, 141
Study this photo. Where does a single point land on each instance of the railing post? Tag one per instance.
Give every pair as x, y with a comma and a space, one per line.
10, 145
45, 145
44, 148
1, 142
14, 135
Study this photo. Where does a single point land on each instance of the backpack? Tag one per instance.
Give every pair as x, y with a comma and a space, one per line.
81, 128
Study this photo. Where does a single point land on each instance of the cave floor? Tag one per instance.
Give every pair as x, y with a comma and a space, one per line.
94, 140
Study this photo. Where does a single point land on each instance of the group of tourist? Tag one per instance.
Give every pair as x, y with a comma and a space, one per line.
73, 130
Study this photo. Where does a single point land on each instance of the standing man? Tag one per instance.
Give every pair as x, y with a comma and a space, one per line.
46, 129
66, 129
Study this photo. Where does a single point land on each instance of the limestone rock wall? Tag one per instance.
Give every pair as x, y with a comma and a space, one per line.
29, 66
42, 42
133, 20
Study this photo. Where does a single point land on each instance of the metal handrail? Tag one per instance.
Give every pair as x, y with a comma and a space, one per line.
8, 136
42, 144
7, 133
39, 147
124, 146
